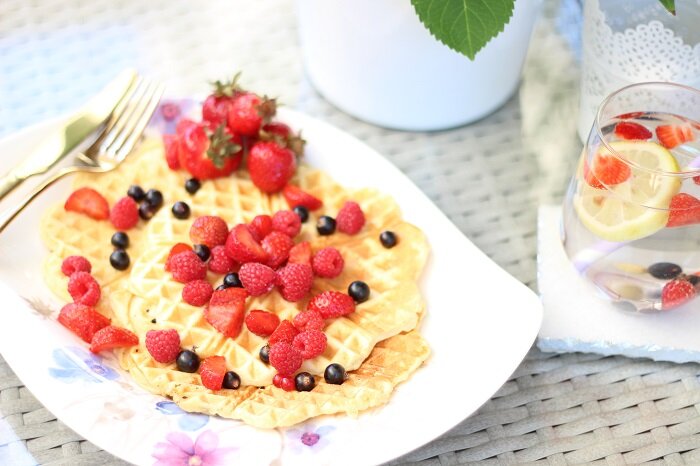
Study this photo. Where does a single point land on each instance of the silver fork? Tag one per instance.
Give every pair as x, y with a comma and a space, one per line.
123, 130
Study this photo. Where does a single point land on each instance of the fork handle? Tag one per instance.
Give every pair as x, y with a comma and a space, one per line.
9, 182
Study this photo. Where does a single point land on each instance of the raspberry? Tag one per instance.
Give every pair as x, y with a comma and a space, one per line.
212, 371
187, 266
72, 264
197, 292
124, 214
209, 230
350, 218
285, 331
285, 358
84, 289
112, 337
262, 323
257, 279
285, 383
220, 262
310, 343
82, 320
277, 245
287, 222
308, 320
295, 281
332, 304
300, 253
261, 226
163, 345
175, 250
327, 263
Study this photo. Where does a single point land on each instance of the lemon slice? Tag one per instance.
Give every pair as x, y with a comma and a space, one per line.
637, 207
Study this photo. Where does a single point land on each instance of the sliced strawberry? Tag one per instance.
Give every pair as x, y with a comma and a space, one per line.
631, 115
82, 320
261, 226
676, 293
295, 196
277, 245
684, 210
696, 180
212, 371
242, 247
112, 337
205, 155
285, 331
226, 310
607, 170
632, 131
177, 249
671, 136
300, 253
262, 323
89, 202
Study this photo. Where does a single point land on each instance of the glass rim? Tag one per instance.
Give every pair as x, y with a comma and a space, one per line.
598, 127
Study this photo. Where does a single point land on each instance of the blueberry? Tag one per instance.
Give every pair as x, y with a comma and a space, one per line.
146, 211
302, 212
119, 259
221, 287
154, 198
335, 374
665, 270
120, 240
202, 251
187, 361
136, 193
265, 354
232, 380
304, 382
181, 210
192, 185
325, 225
231, 280
359, 291
388, 239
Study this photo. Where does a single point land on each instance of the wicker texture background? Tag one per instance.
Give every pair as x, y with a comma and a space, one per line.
488, 177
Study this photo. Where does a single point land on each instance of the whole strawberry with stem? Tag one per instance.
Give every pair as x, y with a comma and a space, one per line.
207, 153
271, 165
248, 112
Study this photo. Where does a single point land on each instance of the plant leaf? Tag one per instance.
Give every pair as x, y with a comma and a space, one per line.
465, 26
670, 5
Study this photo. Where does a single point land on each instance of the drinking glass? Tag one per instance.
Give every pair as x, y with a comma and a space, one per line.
631, 216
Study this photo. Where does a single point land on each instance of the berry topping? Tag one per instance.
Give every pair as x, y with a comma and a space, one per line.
207, 154
112, 337
146, 211
232, 280
264, 354
262, 323
202, 251
332, 304
258, 279
295, 196
325, 225
608, 170
175, 250
171, 149
665, 270
277, 245
163, 345
295, 281
270, 166
671, 136
187, 361
676, 292
300, 253
72, 264
327, 263
187, 266
304, 382
231, 381
285, 332
285, 358
124, 214
82, 320
226, 310
84, 289
302, 212
154, 198
197, 292
181, 210
310, 343
119, 259
388, 239
248, 112
209, 230
243, 247
261, 226
278, 129
220, 262
684, 210
632, 131
334, 374
350, 218
136, 192
216, 108
120, 240
192, 185
89, 202
358, 291
212, 371
287, 222
308, 320
285, 383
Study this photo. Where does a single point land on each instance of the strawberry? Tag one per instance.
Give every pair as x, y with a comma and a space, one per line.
212, 371
248, 112
89, 202
170, 144
124, 214
331, 304
676, 292
112, 337
209, 230
261, 226
684, 210
631, 115
277, 245
82, 320
300, 253
262, 323
285, 331
671, 136
215, 109
163, 345
242, 247
296, 197
206, 154
258, 279
696, 180
608, 170
226, 310
177, 249
278, 129
632, 131
270, 166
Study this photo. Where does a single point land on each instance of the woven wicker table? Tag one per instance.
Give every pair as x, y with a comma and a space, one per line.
488, 177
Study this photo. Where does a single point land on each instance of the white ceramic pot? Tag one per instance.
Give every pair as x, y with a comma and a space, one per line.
376, 61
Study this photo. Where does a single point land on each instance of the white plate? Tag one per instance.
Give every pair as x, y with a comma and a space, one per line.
480, 323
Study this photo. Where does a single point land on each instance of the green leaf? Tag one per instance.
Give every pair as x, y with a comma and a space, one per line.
465, 26
670, 5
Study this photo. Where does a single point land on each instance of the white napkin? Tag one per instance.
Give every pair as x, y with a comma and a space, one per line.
576, 319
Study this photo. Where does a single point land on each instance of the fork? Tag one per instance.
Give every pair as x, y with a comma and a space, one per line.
123, 130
